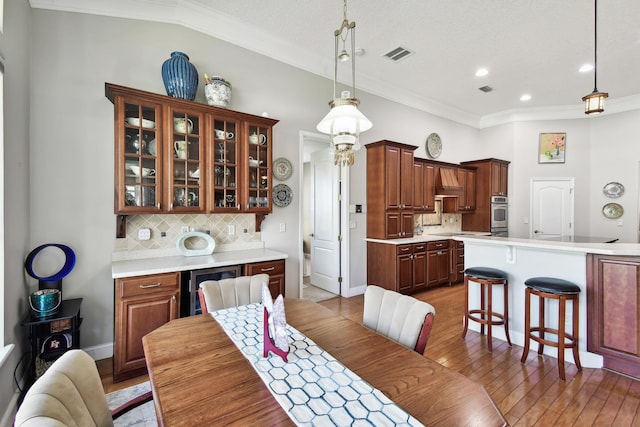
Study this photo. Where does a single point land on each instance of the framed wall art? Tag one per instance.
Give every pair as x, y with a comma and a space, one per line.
552, 147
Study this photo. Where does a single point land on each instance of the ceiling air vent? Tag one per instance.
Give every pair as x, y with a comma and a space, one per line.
485, 89
398, 53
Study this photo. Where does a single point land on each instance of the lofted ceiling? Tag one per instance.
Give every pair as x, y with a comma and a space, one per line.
528, 46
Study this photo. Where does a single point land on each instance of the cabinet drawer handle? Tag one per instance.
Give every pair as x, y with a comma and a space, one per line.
439, 253
155, 285
267, 269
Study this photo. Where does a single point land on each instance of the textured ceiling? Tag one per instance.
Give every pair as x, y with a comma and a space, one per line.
529, 46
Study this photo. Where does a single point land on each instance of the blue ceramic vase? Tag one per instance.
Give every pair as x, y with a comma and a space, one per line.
180, 77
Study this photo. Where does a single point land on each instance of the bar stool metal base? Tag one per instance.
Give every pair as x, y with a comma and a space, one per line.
538, 333
486, 278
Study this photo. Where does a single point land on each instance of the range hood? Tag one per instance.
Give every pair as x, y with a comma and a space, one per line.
447, 184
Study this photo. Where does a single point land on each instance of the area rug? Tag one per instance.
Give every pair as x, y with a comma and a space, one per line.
142, 416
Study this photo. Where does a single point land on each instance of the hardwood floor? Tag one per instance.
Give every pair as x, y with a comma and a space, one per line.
529, 394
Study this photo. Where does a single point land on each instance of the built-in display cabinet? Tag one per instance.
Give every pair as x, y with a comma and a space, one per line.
178, 156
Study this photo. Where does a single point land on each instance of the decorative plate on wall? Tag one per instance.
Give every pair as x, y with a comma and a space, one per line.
433, 145
613, 190
282, 168
612, 210
282, 195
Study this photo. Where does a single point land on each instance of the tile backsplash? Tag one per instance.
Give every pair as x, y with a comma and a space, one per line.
217, 225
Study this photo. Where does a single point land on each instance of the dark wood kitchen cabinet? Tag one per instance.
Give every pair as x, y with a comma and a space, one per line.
499, 176
467, 178
142, 304
179, 156
400, 268
491, 180
456, 261
438, 262
613, 311
275, 270
390, 172
466, 201
423, 186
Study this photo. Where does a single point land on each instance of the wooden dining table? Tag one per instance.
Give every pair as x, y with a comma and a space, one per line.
199, 377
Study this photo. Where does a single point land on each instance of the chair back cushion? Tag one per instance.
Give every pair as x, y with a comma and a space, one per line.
396, 316
233, 292
69, 393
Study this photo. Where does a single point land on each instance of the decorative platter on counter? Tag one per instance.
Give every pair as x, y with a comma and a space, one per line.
612, 210
613, 190
282, 169
282, 195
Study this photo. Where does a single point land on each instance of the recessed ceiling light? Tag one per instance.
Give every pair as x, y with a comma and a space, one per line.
482, 72
586, 68
525, 97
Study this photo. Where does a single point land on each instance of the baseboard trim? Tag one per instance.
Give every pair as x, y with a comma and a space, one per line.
99, 352
358, 290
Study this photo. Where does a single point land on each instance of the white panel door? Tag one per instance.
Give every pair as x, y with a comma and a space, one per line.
325, 213
552, 208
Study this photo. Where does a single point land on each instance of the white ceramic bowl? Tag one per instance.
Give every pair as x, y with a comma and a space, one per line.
134, 121
253, 162
145, 171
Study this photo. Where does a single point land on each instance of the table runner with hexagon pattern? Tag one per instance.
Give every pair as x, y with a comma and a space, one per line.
313, 387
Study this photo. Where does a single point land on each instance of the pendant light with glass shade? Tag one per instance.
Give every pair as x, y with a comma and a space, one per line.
594, 102
344, 122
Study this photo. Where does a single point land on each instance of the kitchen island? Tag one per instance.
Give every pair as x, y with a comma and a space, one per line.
526, 258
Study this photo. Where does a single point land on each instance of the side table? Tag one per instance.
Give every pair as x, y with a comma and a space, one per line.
64, 323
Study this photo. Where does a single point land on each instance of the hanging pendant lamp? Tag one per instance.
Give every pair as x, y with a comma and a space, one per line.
344, 122
594, 102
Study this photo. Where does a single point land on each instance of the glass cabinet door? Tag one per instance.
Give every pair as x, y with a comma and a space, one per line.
225, 156
185, 153
138, 175
258, 167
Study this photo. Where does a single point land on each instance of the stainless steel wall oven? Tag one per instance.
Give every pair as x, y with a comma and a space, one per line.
499, 215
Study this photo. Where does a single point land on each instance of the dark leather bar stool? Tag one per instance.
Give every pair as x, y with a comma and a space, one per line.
563, 291
487, 278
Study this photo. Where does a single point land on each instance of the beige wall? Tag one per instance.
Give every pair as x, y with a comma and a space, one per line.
15, 48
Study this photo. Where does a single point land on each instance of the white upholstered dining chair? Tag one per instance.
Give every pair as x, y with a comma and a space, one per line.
400, 318
70, 393
233, 292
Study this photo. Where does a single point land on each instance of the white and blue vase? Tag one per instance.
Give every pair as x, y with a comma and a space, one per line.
218, 92
180, 77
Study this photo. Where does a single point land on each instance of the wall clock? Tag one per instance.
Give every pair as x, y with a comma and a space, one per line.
433, 145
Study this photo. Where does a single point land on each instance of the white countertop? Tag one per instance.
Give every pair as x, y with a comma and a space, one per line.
427, 238
628, 249
141, 267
